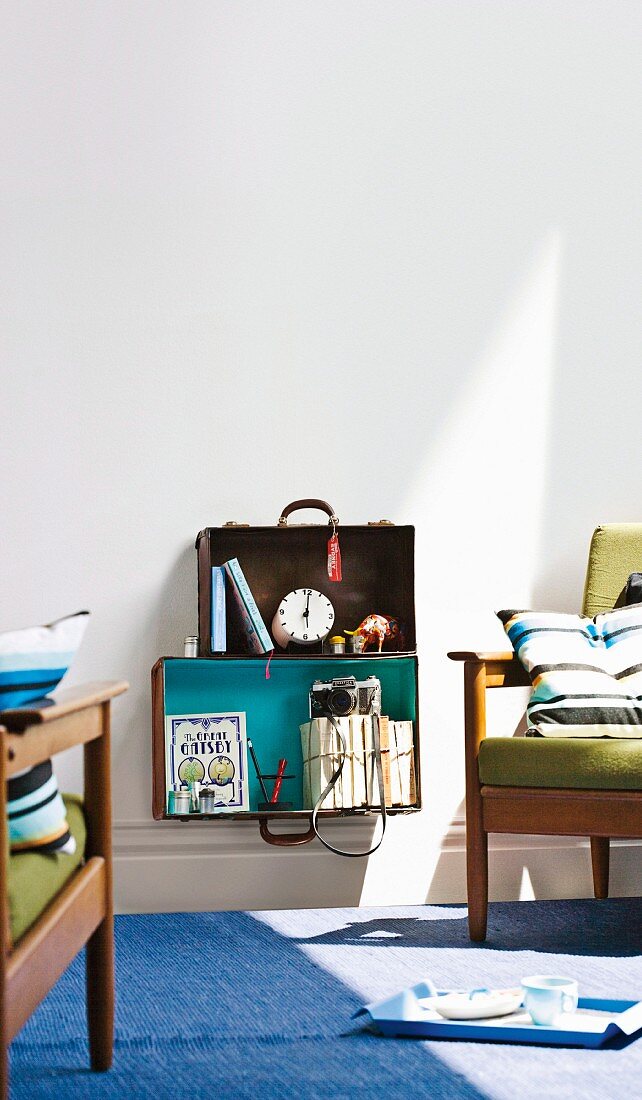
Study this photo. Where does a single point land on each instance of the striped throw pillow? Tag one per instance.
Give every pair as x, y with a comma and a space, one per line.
586, 673
36, 812
33, 661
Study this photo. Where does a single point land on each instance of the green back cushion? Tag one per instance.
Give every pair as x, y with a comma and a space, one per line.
34, 878
616, 551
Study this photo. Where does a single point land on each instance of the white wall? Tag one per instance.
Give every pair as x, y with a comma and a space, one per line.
383, 253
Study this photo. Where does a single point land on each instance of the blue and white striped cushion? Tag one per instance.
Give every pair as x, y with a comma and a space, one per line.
36, 812
34, 660
586, 673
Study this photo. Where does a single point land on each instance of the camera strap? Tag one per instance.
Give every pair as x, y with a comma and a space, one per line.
334, 779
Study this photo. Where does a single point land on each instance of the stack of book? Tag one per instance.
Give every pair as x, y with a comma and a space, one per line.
358, 785
231, 576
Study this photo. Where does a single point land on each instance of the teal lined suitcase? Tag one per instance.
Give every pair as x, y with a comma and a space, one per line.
273, 690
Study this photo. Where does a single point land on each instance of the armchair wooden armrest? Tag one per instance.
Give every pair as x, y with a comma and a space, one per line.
65, 702
34, 733
475, 655
500, 669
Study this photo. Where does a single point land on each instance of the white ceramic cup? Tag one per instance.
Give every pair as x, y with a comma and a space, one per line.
547, 998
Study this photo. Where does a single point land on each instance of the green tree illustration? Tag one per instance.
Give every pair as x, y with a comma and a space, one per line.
191, 771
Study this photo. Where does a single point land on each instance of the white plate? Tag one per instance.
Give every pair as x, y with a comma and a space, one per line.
477, 1006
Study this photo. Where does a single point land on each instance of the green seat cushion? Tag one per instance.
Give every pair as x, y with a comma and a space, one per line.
598, 764
34, 878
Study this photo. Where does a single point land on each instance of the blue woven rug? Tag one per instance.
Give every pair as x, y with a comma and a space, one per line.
257, 1006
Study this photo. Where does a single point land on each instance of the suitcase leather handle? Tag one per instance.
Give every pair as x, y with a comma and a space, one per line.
284, 840
322, 505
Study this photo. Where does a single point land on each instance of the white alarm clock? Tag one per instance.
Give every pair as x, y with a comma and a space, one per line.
304, 616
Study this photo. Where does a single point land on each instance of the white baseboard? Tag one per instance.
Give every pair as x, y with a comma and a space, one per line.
158, 868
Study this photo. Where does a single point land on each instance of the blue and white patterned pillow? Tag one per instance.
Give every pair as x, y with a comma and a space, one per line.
586, 673
36, 812
34, 660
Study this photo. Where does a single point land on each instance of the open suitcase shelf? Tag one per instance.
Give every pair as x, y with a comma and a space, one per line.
378, 576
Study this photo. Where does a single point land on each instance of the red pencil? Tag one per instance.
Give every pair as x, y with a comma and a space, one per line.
279, 779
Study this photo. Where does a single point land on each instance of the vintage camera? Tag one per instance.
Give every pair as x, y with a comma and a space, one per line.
345, 695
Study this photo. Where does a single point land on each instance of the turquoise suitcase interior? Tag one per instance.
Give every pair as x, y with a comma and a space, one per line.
276, 707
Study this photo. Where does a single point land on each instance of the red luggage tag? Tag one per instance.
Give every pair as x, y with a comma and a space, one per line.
334, 555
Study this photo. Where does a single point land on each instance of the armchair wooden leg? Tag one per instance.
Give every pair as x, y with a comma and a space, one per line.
600, 850
100, 995
477, 878
100, 948
476, 835
4, 1072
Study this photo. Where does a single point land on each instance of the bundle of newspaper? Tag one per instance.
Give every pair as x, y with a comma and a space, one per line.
358, 786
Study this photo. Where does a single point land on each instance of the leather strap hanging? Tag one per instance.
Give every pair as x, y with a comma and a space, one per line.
333, 781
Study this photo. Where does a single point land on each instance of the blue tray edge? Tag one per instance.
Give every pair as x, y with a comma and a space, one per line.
396, 1026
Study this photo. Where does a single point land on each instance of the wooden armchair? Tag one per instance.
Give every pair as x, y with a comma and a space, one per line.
554, 786
82, 911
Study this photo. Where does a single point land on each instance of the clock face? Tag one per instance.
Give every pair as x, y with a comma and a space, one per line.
304, 616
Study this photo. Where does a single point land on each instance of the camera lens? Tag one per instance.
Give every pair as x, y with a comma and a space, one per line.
341, 702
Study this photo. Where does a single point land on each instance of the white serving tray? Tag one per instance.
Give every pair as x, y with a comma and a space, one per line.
596, 1022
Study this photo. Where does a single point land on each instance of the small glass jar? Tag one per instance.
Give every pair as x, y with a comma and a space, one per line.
336, 644
191, 646
179, 801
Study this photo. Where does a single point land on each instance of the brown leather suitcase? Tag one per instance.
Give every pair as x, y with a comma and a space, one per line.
377, 564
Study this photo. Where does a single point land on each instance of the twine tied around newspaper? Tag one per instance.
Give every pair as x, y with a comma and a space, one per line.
334, 778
